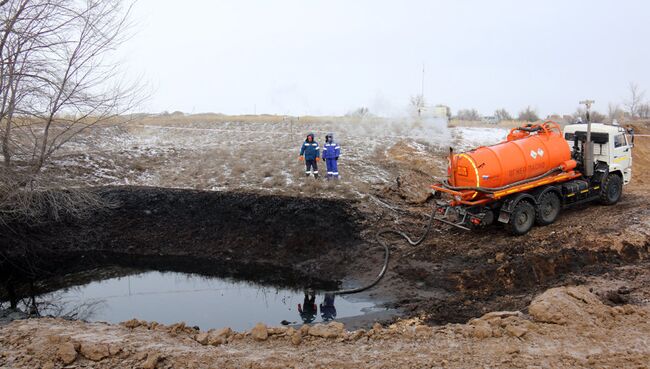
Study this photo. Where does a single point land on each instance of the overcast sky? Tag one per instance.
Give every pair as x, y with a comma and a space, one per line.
328, 57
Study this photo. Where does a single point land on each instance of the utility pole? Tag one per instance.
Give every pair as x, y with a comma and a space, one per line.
587, 104
422, 87
421, 99
589, 148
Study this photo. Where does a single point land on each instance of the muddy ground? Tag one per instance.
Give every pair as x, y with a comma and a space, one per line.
564, 327
452, 277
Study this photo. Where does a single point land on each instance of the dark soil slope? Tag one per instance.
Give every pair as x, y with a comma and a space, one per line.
262, 237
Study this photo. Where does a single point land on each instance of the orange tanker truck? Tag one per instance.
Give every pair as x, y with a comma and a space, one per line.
539, 170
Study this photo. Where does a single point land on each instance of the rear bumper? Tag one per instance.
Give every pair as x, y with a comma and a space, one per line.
456, 216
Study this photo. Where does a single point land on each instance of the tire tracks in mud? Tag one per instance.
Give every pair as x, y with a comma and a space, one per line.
456, 275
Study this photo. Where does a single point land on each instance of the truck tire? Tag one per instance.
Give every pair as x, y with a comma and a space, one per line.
521, 218
611, 190
548, 209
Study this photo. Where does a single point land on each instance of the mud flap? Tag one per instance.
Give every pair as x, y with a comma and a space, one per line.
504, 217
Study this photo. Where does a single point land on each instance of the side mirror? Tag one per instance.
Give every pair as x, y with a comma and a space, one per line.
630, 132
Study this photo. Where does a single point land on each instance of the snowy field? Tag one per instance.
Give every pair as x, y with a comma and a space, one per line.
261, 157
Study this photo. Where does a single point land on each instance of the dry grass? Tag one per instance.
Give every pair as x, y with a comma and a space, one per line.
259, 153
23, 201
478, 123
214, 120
190, 119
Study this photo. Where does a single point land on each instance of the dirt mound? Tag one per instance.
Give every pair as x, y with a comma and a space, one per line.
574, 306
641, 156
416, 167
567, 327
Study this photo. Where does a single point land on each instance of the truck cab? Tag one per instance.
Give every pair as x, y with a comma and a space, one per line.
612, 146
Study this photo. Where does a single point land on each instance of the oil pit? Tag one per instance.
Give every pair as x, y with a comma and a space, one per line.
198, 300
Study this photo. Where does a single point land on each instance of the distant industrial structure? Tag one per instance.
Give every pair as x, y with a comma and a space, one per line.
442, 111
437, 111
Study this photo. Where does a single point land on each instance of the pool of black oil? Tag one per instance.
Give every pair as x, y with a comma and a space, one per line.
205, 301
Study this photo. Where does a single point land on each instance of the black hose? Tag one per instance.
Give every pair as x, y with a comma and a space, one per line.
529, 129
382, 272
386, 231
446, 184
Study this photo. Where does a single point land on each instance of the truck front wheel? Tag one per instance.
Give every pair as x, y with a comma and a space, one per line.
611, 190
548, 209
522, 218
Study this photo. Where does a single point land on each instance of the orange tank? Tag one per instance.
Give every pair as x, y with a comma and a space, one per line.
528, 152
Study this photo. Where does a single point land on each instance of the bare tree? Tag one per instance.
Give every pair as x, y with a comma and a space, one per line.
636, 98
529, 114
644, 110
56, 81
468, 114
417, 104
361, 112
614, 112
502, 114
594, 116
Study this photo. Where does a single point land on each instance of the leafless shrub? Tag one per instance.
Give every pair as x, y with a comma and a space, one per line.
57, 305
417, 104
636, 98
361, 112
644, 111
468, 114
502, 114
529, 114
55, 83
594, 116
614, 112
19, 203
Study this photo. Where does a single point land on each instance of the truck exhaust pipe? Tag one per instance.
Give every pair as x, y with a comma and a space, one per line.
589, 152
589, 148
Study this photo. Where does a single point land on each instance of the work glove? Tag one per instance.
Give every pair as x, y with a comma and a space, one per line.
317, 158
301, 158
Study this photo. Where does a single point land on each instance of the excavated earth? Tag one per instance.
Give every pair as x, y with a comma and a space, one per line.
271, 240
440, 288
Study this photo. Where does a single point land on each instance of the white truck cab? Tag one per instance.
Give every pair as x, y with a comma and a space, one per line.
612, 145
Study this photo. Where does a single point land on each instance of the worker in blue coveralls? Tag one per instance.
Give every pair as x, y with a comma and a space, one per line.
327, 308
309, 152
331, 153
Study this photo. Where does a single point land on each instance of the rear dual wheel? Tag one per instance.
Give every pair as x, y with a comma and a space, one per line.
521, 218
548, 209
526, 214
